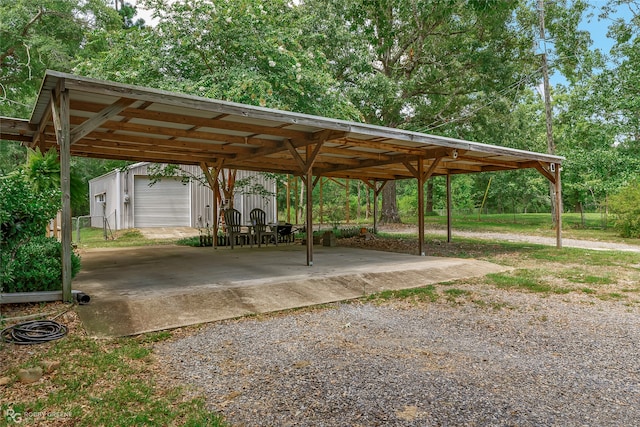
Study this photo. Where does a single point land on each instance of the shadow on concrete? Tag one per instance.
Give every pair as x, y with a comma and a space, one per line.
144, 289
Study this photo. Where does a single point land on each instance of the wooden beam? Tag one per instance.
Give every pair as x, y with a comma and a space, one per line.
154, 131
178, 149
296, 156
420, 177
311, 157
558, 184
449, 203
413, 170
387, 148
213, 122
341, 184
60, 114
543, 170
224, 150
104, 115
352, 152
327, 135
39, 136
309, 210
432, 168
496, 162
212, 180
369, 163
172, 156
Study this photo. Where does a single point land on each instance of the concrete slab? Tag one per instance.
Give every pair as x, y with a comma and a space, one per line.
154, 233
137, 290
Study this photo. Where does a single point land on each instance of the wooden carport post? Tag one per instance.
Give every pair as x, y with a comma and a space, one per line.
449, 208
306, 167
309, 213
558, 206
376, 192
422, 177
421, 180
553, 175
212, 179
61, 122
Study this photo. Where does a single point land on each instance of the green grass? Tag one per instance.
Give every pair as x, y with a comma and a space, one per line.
189, 241
94, 238
525, 279
582, 276
109, 383
533, 223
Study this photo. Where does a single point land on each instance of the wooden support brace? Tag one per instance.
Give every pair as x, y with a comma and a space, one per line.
544, 171
432, 168
94, 122
296, 156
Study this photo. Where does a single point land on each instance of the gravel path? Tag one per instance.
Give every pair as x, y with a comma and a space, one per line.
494, 358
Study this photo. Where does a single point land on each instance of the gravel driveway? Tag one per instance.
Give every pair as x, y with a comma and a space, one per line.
493, 358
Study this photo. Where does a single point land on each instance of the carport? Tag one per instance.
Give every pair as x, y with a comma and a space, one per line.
93, 118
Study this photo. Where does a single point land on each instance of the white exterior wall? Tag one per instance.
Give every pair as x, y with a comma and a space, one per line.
103, 188
118, 189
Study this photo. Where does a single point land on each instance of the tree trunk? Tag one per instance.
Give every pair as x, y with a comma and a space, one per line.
389, 213
429, 206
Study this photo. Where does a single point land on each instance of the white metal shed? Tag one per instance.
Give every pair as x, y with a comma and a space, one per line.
126, 199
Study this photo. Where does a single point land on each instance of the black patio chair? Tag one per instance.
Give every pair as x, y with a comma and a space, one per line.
233, 227
260, 227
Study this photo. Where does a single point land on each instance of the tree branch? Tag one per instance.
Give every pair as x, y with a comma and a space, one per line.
12, 49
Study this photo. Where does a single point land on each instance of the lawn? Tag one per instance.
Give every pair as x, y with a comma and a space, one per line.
119, 382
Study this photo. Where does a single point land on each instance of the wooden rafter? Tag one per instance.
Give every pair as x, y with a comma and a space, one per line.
98, 119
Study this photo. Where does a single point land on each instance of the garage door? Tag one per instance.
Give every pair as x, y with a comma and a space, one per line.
165, 204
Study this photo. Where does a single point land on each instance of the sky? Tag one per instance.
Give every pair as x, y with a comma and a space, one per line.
598, 28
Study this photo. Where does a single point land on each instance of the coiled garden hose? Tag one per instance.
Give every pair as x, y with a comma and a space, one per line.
33, 332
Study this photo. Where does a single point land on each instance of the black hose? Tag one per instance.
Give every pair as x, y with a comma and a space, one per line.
33, 332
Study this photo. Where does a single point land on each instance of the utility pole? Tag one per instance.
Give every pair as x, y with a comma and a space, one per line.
551, 146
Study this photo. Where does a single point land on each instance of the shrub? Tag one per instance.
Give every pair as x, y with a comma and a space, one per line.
626, 206
30, 261
37, 266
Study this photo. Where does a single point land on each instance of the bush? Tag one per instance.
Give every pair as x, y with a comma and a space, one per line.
626, 206
30, 261
37, 266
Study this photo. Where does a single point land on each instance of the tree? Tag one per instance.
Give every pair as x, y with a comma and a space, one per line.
36, 35
43, 172
416, 64
235, 50
626, 205
617, 87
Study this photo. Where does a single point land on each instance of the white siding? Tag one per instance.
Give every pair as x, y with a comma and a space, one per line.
123, 204
164, 204
103, 189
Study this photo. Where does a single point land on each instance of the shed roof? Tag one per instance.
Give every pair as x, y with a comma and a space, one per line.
119, 121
